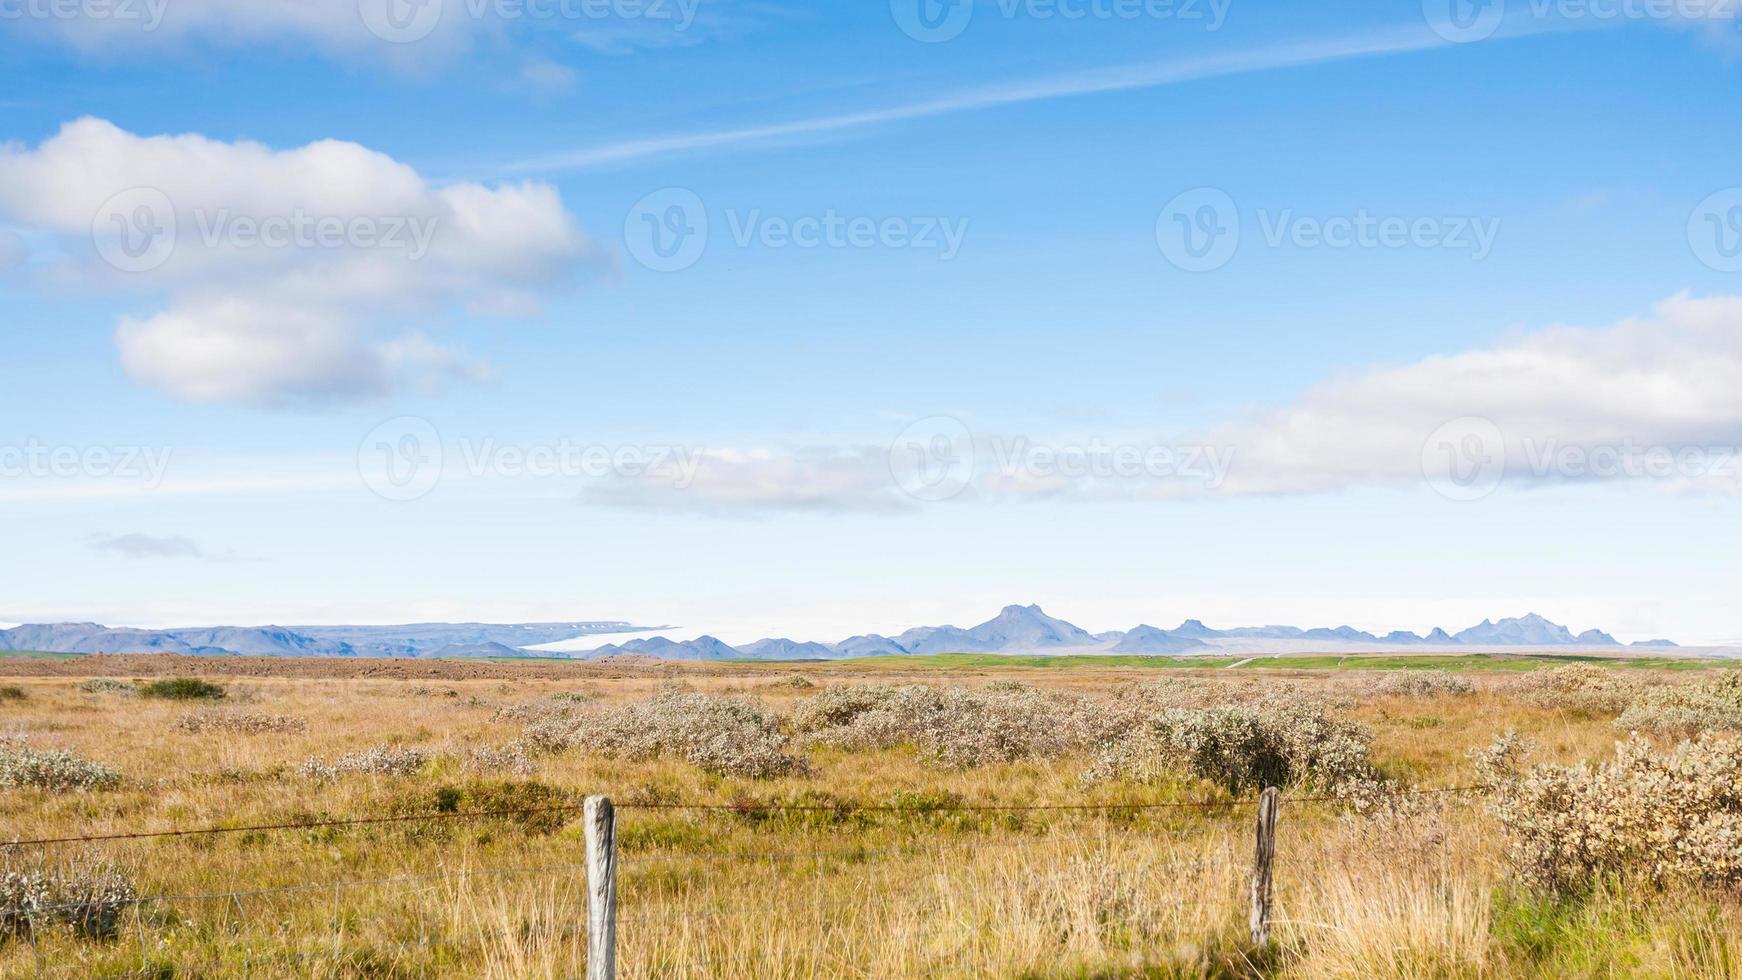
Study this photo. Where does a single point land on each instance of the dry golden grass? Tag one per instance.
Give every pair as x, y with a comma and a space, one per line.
800, 894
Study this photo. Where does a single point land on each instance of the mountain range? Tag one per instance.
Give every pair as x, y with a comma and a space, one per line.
1028, 629
1016, 629
414, 640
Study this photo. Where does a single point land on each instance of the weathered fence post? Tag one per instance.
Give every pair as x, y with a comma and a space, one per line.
601, 827
1261, 864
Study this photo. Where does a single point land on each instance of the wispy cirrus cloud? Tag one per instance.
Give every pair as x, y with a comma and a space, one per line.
1117, 78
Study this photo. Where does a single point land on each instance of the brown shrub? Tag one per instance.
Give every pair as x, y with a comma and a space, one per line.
240, 723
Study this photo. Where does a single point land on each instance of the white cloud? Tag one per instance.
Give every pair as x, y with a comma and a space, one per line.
286, 270
1672, 380
1655, 401
333, 27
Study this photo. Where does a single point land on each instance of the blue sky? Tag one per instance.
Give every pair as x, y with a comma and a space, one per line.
1005, 275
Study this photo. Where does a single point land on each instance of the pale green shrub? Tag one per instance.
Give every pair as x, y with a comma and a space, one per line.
1708, 705
1420, 684
380, 760
22, 766
108, 685
512, 758
1650, 813
1282, 742
1579, 687
89, 899
727, 736
953, 727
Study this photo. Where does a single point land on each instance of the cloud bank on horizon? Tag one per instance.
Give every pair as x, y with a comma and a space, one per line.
1655, 398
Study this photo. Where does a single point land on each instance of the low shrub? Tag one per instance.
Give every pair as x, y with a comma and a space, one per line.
1420, 684
10, 693
1282, 742
953, 727
22, 766
380, 760
1707, 705
554, 708
1648, 813
89, 899
1577, 687
241, 723
726, 736
182, 689
108, 685
512, 758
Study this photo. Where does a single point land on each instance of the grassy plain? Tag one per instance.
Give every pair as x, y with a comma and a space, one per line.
915, 888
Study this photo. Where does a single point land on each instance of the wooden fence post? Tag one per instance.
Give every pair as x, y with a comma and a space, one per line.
1261, 866
600, 820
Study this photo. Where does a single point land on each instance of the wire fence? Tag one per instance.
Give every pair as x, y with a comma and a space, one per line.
26, 921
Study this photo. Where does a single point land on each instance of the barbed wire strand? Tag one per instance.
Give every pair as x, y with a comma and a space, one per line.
842, 808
